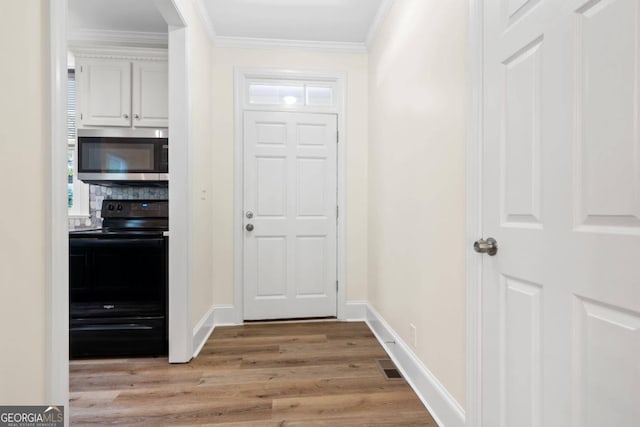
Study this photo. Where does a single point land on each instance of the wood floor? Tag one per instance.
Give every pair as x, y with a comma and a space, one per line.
262, 375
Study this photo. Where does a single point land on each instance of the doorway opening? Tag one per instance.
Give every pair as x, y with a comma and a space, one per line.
57, 359
289, 194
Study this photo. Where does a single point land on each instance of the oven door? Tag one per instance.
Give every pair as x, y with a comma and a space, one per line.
110, 271
117, 289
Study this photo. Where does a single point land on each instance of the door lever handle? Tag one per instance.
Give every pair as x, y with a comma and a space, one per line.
489, 246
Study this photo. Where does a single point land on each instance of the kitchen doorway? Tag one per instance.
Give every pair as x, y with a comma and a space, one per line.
57, 369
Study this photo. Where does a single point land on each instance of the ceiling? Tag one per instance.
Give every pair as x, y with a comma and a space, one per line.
115, 15
345, 21
339, 22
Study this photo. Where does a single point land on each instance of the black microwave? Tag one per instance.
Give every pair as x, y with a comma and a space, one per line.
123, 156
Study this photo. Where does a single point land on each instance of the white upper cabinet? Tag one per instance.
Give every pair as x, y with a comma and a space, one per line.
150, 97
104, 92
126, 93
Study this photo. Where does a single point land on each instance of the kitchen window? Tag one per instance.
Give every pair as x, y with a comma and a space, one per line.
77, 191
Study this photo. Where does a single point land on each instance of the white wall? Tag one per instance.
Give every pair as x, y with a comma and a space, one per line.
24, 160
355, 65
416, 181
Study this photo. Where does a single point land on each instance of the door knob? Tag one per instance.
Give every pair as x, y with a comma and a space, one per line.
249, 227
125, 115
489, 246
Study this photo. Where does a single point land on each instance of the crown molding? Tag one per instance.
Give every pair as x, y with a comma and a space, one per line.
381, 15
119, 52
119, 37
248, 42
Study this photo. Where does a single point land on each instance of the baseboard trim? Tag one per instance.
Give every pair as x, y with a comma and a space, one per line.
355, 311
441, 404
217, 315
225, 315
202, 331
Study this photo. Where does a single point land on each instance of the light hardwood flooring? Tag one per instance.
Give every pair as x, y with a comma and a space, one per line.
262, 375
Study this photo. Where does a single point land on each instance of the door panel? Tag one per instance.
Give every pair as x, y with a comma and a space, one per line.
271, 183
561, 195
290, 190
271, 268
520, 314
606, 350
271, 133
311, 255
607, 145
311, 194
521, 184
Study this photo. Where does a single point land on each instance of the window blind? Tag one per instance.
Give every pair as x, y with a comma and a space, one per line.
71, 105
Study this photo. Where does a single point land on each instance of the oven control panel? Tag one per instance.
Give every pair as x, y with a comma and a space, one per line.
116, 208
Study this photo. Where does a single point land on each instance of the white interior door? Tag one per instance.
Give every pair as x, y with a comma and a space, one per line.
290, 187
561, 195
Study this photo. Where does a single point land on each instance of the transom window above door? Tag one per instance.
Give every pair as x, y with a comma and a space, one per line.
311, 94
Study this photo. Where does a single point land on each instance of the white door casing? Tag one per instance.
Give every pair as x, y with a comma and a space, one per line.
561, 195
290, 189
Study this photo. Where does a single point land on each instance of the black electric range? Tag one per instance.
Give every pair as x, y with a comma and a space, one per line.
118, 282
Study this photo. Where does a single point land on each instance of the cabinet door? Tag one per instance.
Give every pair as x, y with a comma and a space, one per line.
150, 94
104, 98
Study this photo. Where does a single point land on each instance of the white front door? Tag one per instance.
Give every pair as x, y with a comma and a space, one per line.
290, 215
561, 195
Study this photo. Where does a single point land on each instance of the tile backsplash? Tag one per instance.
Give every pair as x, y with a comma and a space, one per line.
98, 193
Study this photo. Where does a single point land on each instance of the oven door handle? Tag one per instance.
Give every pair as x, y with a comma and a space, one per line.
112, 327
98, 242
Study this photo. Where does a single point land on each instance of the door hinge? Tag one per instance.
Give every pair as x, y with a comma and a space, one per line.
336, 286
337, 211
81, 116
337, 136
81, 68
